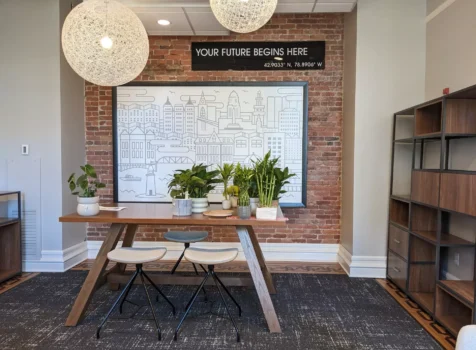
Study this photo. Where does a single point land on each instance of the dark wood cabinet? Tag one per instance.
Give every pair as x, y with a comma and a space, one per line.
10, 235
429, 229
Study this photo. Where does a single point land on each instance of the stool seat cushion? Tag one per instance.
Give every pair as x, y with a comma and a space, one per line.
210, 256
136, 255
186, 237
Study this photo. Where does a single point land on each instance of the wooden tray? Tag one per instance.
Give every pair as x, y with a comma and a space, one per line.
218, 213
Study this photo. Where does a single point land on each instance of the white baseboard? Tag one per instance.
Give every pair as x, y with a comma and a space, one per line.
272, 251
58, 260
362, 266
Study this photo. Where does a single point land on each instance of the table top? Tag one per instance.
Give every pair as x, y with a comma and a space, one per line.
161, 214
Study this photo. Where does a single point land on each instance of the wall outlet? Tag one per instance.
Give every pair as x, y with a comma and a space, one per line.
457, 259
25, 150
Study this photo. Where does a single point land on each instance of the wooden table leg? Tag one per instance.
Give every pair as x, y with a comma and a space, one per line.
95, 275
127, 242
258, 279
262, 263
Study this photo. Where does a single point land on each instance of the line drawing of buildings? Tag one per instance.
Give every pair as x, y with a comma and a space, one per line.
164, 128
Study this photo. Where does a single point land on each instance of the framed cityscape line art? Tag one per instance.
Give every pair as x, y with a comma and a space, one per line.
161, 127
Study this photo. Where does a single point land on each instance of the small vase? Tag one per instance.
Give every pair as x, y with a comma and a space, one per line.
182, 207
244, 212
234, 201
226, 204
199, 205
88, 206
254, 203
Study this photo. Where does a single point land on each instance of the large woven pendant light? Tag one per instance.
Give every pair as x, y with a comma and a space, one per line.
243, 16
105, 42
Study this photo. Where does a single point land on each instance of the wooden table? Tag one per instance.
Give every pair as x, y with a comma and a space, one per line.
161, 214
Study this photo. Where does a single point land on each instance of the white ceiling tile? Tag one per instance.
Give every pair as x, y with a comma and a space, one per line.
203, 20
177, 18
300, 7
336, 7
337, 1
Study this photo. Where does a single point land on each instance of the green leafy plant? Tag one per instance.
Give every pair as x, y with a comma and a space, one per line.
87, 184
265, 179
202, 181
226, 173
282, 176
180, 184
242, 179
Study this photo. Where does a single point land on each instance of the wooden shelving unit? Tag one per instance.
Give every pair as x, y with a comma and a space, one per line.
10, 235
432, 211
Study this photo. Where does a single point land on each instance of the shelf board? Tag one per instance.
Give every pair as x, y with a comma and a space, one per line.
431, 135
458, 136
6, 274
408, 141
447, 240
401, 197
462, 290
405, 228
8, 221
425, 299
452, 323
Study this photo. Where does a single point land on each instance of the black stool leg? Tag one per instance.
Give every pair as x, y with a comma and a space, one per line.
158, 290
190, 304
150, 303
226, 306
127, 293
178, 262
116, 302
227, 291
196, 272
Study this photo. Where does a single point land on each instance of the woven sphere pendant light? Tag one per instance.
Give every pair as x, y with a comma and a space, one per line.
105, 42
243, 16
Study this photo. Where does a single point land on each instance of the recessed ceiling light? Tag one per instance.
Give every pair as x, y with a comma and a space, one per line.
278, 58
163, 22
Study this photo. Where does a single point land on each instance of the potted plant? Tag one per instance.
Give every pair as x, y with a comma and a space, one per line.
226, 173
282, 177
243, 176
179, 188
253, 194
202, 182
265, 182
85, 187
233, 192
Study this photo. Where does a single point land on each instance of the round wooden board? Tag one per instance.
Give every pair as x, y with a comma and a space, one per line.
219, 213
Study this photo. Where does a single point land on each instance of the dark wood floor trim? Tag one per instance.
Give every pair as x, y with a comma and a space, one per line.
17, 280
446, 340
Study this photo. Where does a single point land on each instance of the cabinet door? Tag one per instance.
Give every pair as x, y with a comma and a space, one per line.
397, 270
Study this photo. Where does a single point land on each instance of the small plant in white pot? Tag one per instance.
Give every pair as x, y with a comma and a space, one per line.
179, 190
201, 184
85, 187
242, 179
226, 173
233, 191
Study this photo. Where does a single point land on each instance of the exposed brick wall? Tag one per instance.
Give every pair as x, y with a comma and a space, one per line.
170, 60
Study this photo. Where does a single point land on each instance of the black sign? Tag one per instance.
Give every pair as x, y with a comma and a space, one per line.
303, 55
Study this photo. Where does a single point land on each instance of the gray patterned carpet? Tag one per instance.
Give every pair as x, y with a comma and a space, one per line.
316, 312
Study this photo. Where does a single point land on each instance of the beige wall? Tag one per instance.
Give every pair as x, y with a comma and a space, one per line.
450, 49
431, 5
350, 47
386, 81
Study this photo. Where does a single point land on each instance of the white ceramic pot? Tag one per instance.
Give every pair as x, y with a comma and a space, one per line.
267, 213
199, 205
88, 206
254, 203
182, 207
234, 201
226, 204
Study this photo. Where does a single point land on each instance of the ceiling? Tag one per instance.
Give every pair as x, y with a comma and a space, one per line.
195, 17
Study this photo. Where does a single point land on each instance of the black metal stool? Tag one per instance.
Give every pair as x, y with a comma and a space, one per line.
136, 256
211, 257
